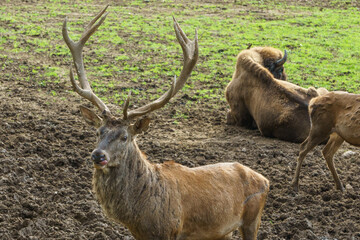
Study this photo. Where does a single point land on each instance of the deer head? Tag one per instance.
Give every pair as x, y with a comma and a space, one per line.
115, 136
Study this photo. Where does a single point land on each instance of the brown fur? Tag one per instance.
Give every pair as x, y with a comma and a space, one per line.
278, 108
335, 115
164, 201
171, 201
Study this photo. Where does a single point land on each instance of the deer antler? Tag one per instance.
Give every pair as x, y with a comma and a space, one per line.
191, 53
76, 52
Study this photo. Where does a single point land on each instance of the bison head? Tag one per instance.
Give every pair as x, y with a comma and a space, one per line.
274, 61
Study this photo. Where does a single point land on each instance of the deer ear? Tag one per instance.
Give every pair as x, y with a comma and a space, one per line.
90, 117
141, 125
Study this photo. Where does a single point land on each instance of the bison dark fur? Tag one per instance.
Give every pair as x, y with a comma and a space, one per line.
257, 99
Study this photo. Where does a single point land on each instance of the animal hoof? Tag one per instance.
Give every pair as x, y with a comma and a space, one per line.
295, 186
340, 188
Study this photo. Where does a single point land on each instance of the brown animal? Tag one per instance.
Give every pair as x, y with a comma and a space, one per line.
335, 115
164, 201
257, 99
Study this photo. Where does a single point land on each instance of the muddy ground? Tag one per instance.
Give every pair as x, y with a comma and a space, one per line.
45, 181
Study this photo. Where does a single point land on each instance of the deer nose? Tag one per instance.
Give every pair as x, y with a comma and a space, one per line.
98, 156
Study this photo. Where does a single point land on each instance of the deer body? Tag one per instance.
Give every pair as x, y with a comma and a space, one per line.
171, 201
164, 201
335, 115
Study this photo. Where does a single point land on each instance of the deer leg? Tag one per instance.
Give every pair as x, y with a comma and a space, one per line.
310, 143
252, 217
328, 152
249, 229
227, 237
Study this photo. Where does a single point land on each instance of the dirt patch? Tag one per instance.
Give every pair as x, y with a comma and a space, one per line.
45, 183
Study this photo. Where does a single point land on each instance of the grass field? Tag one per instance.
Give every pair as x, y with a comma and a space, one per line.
322, 42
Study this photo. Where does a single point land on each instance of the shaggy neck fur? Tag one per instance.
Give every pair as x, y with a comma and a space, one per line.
133, 191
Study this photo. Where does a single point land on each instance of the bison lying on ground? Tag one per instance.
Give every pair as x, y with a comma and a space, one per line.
256, 98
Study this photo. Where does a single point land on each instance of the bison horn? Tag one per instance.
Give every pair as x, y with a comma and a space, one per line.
282, 60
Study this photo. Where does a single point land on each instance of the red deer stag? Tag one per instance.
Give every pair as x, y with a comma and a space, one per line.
335, 115
257, 99
164, 201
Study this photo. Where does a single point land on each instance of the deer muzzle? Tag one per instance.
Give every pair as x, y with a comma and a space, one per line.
99, 157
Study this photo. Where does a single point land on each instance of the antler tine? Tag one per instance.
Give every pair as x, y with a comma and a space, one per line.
191, 52
97, 17
91, 28
126, 105
159, 103
84, 89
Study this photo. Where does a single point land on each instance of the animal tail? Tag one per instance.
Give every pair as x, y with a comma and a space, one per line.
317, 109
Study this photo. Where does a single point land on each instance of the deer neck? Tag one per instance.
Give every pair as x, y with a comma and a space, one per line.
124, 190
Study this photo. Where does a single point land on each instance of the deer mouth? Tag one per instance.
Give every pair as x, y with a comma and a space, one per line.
99, 158
101, 163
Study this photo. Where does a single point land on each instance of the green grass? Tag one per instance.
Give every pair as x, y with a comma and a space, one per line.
136, 48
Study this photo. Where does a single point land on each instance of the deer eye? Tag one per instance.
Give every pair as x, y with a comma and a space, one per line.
122, 136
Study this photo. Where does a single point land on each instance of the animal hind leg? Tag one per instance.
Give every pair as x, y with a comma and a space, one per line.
329, 150
227, 237
315, 137
249, 232
239, 115
249, 229
252, 217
